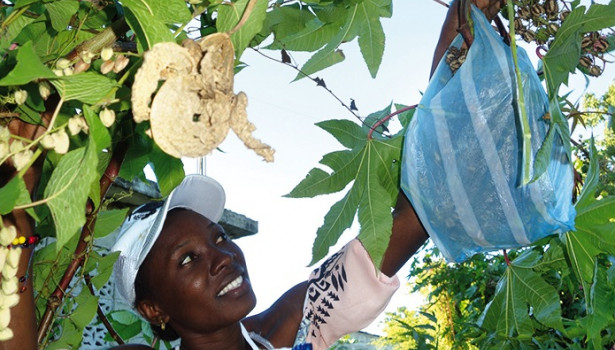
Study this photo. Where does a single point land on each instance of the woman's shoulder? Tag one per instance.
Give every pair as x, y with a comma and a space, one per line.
131, 347
279, 323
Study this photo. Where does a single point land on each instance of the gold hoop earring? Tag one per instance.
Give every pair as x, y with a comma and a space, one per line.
163, 326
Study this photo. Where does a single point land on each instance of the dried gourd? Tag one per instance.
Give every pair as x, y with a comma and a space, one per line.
192, 112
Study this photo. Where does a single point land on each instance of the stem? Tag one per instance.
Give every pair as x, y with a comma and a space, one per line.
55, 298
314, 80
105, 38
441, 3
526, 141
36, 154
14, 15
102, 316
35, 141
244, 16
506, 259
384, 120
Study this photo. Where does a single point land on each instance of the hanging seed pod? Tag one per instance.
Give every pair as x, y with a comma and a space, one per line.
601, 45
563, 15
537, 10
528, 36
595, 71
552, 28
524, 13
586, 61
106, 53
551, 7
81, 66
594, 35
518, 24
455, 66
587, 43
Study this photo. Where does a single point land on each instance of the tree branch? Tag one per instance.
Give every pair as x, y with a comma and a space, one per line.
55, 299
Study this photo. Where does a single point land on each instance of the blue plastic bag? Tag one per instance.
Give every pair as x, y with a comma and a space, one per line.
461, 159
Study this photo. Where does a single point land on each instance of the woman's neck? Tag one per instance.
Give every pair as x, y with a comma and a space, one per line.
230, 338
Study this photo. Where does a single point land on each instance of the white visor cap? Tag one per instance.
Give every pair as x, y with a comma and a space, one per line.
139, 232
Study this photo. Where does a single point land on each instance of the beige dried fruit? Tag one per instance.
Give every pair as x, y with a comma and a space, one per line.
44, 89
195, 107
106, 53
20, 96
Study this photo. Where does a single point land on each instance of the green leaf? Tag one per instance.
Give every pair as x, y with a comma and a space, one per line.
137, 156
588, 193
108, 221
599, 17
319, 182
9, 194
68, 188
97, 130
563, 55
104, 269
543, 155
86, 309
125, 317
61, 12
28, 68
519, 289
541, 296
338, 219
347, 132
88, 87
143, 21
600, 308
371, 36
169, 170
375, 217
13, 30
330, 55
229, 14
314, 35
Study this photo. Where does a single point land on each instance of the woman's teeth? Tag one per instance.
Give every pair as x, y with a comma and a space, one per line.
234, 284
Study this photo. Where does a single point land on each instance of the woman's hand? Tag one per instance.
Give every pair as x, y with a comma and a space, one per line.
490, 7
451, 25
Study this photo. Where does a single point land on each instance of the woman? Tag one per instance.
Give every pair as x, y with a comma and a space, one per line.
181, 272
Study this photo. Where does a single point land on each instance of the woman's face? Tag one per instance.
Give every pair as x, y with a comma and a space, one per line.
198, 275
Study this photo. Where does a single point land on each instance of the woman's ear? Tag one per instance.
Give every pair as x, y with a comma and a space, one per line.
152, 312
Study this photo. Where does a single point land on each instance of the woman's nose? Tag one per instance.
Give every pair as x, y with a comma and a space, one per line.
222, 259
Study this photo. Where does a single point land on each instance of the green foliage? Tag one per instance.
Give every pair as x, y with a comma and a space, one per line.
372, 165
52, 51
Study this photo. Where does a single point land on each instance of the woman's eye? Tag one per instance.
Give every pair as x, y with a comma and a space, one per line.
221, 237
187, 259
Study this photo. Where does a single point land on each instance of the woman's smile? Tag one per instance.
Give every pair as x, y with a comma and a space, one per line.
233, 286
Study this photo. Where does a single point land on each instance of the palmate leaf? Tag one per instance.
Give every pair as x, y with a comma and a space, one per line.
314, 35
330, 55
519, 289
361, 19
564, 53
371, 35
600, 311
370, 166
595, 225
